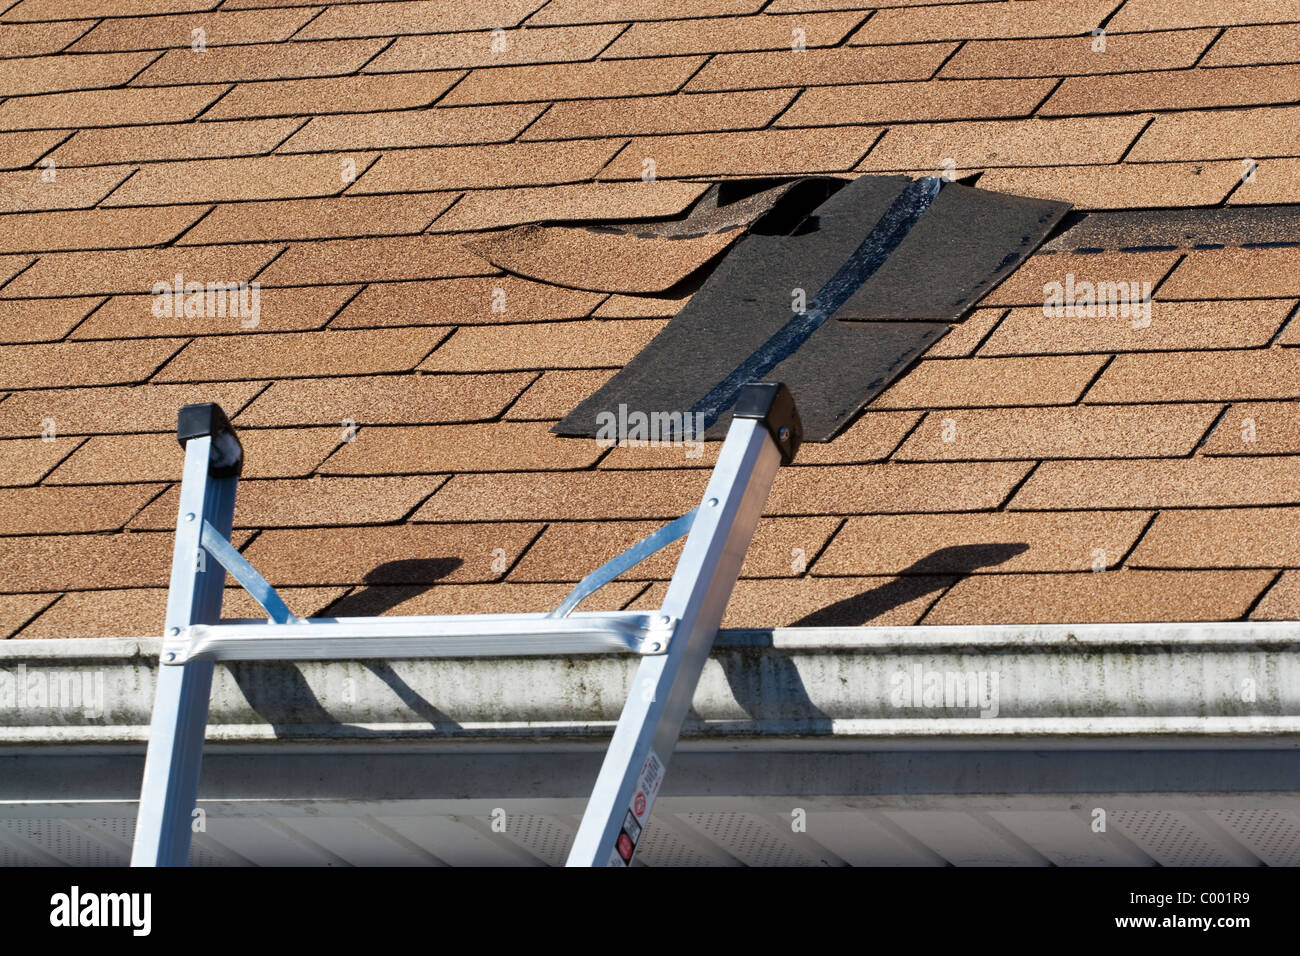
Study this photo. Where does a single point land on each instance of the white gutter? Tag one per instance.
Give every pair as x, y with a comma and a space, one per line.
1084, 686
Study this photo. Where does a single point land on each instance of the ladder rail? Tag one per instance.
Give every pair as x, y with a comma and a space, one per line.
662, 690
173, 761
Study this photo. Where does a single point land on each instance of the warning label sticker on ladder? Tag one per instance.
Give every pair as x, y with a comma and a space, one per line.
647, 786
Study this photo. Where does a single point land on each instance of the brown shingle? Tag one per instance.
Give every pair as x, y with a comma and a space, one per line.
871, 438
35, 39
10, 266
989, 382
409, 554
41, 320
76, 561
1222, 538
1275, 182
1115, 431
23, 149
980, 21
580, 11
428, 127
118, 107
82, 363
464, 301
266, 61
25, 461
909, 102
566, 495
1179, 89
476, 167
381, 399
564, 81
1064, 56
492, 208
53, 74
300, 354
260, 177
447, 51
96, 228
141, 612
892, 488
982, 543
268, 453
1257, 428
328, 218
136, 270
219, 29
17, 609
58, 9
821, 602
1241, 46
130, 408
773, 151
278, 310
1031, 142
378, 259
177, 141
962, 339
640, 306
502, 598
29, 190
493, 446
555, 393
346, 94
388, 19
1219, 134
733, 34
571, 550
1121, 186
790, 68
1156, 14
679, 113
587, 344
601, 261
1281, 602
1025, 286
684, 455
307, 502
1174, 325
1235, 274
1111, 596
1200, 376
45, 509
1166, 483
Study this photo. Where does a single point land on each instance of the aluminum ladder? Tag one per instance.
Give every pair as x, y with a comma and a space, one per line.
673, 642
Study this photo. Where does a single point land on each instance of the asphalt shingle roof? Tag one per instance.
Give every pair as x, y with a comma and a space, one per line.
399, 459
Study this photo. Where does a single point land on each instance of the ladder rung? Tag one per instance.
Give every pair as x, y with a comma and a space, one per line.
470, 635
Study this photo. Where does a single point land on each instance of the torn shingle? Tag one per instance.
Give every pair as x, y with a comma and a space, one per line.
866, 258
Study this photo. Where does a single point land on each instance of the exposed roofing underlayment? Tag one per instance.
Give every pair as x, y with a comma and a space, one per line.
397, 392
881, 250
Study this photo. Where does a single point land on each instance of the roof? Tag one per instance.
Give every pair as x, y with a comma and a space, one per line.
397, 428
